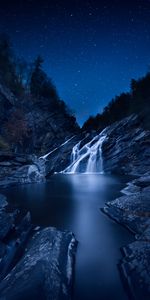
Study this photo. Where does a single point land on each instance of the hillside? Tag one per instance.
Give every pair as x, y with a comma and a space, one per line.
137, 101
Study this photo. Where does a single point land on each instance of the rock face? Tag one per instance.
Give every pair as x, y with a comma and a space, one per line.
133, 211
31, 128
20, 168
15, 227
46, 127
59, 159
49, 129
45, 269
126, 149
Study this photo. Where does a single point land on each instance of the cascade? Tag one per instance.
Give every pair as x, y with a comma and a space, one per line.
87, 159
55, 149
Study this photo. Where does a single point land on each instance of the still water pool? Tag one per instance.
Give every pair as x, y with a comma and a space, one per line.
73, 202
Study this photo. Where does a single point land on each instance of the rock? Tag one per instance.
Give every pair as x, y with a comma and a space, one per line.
6, 224
47, 126
45, 270
126, 148
5, 163
2, 250
60, 159
133, 211
20, 169
14, 244
135, 268
3, 202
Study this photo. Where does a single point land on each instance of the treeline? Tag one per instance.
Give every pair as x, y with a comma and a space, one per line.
32, 89
136, 101
28, 80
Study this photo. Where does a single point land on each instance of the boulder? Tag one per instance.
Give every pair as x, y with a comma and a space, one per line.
133, 211
45, 271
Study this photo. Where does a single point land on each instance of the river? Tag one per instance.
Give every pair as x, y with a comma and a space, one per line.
73, 202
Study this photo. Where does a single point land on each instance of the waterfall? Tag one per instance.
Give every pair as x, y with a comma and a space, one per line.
87, 159
55, 149
75, 152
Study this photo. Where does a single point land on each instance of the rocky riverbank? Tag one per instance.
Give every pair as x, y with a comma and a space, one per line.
34, 262
133, 211
126, 149
20, 168
31, 127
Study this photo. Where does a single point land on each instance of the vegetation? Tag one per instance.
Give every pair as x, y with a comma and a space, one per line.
8, 67
4, 146
16, 128
136, 101
28, 81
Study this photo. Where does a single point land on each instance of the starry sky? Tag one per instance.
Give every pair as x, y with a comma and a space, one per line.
91, 49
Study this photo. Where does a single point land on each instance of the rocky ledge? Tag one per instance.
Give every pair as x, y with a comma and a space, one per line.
126, 149
35, 263
20, 168
133, 211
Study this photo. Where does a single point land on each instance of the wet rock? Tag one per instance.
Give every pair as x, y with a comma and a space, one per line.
45, 270
34, 263
15, 244
60, 159
20, 169
133, 211
136, 269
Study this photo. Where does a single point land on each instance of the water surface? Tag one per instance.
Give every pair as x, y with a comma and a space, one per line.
73, 202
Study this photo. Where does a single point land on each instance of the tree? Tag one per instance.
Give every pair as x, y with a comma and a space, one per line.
40, 84
8, 74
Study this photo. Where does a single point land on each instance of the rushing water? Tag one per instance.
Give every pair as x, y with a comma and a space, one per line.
88, 158
73, 202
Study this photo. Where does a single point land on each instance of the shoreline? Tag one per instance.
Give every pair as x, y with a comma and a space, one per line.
126, 211
22, 244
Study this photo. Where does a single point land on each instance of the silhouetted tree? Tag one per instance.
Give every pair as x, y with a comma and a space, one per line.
117, 108
8, 74
40, 84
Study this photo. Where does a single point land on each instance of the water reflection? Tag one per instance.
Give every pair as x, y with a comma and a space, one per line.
72, 202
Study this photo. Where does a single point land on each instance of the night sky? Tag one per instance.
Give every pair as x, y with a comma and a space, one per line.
91, 48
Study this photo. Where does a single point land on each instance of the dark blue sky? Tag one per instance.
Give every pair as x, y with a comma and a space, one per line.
91, 48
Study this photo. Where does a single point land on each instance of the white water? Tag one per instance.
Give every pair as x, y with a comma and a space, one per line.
87, 159
46, 155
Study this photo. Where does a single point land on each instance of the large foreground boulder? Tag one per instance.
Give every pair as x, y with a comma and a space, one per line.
45, 271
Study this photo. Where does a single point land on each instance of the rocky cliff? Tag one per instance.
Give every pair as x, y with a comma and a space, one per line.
126, 147
30, 128
126, 150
